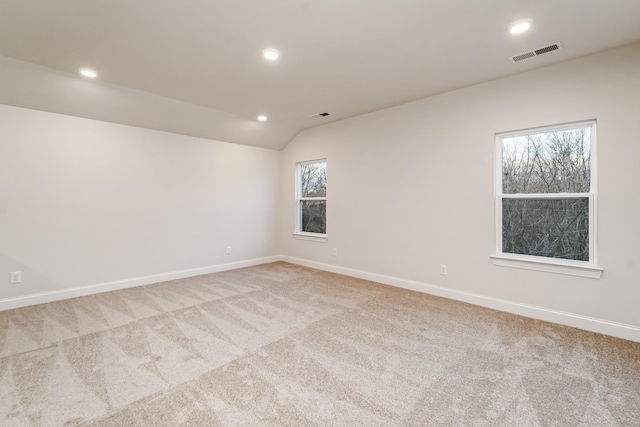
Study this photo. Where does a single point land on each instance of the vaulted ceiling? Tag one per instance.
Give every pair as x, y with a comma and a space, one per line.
345, 57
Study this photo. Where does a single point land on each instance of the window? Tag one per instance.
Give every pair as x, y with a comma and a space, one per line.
545, 198
311, 198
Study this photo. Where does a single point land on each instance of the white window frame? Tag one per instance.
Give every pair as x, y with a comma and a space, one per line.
530, 262
297, 232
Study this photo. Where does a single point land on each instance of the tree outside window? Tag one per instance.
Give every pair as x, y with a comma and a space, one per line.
312, 197
545, 193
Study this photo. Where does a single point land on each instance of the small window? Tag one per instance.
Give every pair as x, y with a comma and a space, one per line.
311, 197
545, 194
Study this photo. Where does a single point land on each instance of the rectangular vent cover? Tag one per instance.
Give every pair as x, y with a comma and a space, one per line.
317, 116
535, 52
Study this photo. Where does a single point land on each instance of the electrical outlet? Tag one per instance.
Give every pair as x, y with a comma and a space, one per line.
443, 269
335, 251
16, 277
228, 250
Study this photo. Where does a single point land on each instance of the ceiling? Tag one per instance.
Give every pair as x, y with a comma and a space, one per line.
345, 57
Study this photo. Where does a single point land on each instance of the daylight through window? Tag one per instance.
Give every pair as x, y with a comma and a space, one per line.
311, 199
545, 193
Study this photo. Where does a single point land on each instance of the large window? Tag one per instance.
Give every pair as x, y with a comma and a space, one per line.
545, 195
311, 197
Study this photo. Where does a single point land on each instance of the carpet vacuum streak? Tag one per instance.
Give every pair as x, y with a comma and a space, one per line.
284, 345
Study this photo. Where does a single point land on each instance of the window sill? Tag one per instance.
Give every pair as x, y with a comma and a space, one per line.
550, 266
311, 237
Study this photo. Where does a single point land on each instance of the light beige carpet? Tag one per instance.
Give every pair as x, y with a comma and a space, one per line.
284, 345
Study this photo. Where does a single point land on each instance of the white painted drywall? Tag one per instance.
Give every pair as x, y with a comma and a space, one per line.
85, 202
40, 88
411, 187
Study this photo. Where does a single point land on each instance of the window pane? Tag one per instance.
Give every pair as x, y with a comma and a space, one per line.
550, 162
313, 215
313, 179
556, 228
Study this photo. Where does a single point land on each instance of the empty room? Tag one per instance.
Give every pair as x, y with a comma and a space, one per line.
319, 213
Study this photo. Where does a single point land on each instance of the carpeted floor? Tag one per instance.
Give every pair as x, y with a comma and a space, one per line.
284, 345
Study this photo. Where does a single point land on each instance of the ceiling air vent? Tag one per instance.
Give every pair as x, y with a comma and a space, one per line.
317, 116
535, 52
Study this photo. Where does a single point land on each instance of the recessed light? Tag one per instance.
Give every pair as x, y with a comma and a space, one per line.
271, 54
262, 118
87, 72
520, 26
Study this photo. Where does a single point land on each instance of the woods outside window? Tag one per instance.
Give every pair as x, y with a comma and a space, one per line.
545, 195
311, 197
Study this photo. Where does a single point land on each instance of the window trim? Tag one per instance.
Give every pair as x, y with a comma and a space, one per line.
297, 232
531, 262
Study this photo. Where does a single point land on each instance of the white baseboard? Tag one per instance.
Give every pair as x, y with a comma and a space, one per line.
592, 324
57, 295
620, 330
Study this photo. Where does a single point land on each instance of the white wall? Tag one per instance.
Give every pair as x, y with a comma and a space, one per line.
84, 202
411, 187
